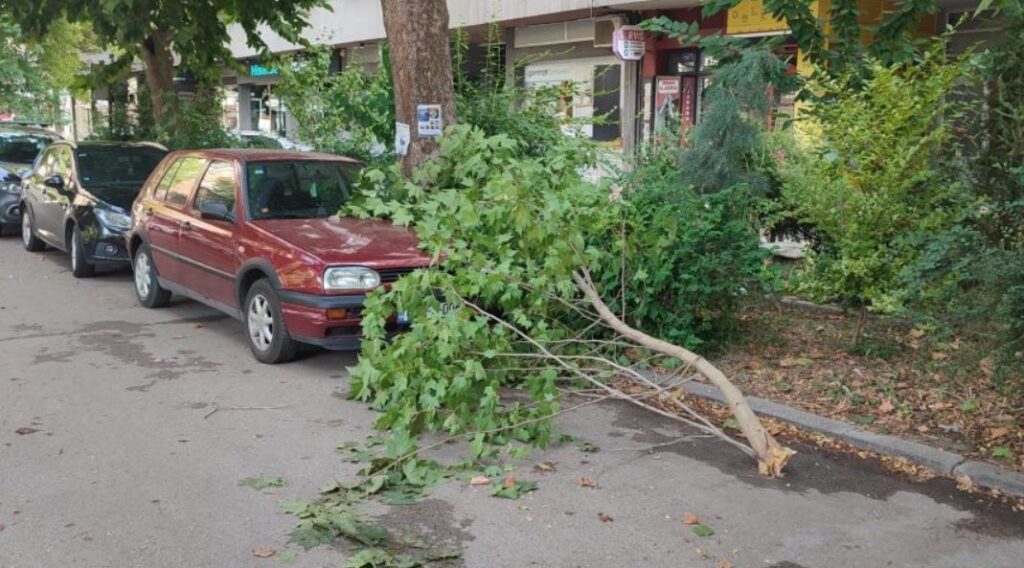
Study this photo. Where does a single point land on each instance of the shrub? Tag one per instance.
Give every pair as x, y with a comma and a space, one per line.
874, 179
688, 257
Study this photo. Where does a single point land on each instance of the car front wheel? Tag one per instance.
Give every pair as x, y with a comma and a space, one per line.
80, 265
28, 232
147, 286
264, 326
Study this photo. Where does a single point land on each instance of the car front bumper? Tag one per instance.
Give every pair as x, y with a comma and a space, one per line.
307, 319
105, 246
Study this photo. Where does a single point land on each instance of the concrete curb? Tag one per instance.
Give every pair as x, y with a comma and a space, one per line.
939, 461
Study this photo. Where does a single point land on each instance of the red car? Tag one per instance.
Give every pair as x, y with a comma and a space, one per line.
256, 234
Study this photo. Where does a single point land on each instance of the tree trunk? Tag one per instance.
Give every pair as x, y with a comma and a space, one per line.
159, 61
771, 457
421, 69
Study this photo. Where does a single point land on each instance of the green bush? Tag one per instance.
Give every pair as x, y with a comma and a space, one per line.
689, 258
875, 181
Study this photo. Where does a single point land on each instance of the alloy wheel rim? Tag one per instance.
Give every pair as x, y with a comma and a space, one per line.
261, 322
142, 275
26, 228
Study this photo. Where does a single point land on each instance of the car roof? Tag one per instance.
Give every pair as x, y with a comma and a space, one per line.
265, 155
86, 144
14, 127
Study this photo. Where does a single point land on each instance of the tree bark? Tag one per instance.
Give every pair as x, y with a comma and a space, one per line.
771, 456
421, 68
159, 61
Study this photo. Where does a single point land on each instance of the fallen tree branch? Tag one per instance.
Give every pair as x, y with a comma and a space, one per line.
771, 456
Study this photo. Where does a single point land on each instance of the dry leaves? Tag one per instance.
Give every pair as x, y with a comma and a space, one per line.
509, 482
690, 519
724, 564
25, 430
996, 433
886, 407
263, 552
588, 482
545, 467
605, 518
480, 480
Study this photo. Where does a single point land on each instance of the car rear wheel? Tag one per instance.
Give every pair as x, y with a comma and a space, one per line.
28, 232
80, 265
264, 326
147, 286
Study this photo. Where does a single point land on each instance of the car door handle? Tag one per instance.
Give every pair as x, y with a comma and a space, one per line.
186, 226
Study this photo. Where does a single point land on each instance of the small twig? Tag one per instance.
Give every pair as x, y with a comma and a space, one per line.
217, 409
661, 445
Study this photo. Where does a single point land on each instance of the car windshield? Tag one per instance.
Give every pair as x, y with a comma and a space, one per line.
301, 189
106, 165
21, 148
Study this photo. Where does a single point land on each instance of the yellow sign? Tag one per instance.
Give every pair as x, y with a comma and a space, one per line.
748, 17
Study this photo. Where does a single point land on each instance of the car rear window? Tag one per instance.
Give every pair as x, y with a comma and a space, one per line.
300, 189
105, 165
20, 148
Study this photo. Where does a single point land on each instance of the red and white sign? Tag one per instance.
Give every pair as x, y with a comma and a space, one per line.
628, 43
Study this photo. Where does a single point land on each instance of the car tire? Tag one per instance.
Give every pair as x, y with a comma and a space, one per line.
28, 232
80, 265
147, 284
264, 326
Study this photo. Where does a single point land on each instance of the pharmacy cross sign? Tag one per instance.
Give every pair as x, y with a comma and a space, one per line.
628, 43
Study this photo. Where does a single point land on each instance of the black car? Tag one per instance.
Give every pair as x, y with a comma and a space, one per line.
19, 147
78, 199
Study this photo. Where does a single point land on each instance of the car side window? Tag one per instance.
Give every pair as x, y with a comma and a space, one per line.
160, 192
217, 187
63, 160
44, 163
184, 180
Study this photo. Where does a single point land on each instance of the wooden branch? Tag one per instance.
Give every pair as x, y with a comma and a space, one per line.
771, 456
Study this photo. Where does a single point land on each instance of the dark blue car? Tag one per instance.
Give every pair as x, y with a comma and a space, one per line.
19, 147
78, 199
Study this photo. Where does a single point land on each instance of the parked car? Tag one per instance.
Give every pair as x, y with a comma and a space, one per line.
20, 145
78, 199
259, 139
256, 234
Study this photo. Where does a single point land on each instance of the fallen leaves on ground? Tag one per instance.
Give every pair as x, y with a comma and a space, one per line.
690, 519
545, 467
901, 380
605, 518
263, 551
588, 482
480, 480
25, 430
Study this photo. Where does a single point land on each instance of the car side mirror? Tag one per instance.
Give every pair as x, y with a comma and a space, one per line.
54, 181
215, 211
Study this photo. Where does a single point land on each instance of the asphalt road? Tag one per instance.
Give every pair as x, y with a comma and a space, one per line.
138, 425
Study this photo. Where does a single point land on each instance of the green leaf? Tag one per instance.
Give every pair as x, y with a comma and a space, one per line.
970, 405
1002, 453
260, 483
702, 530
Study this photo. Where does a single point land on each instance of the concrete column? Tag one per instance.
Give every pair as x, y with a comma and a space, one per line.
244, 107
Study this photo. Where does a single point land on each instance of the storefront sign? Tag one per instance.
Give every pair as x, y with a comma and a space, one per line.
628, 43
261, 71
429, 121
749, 17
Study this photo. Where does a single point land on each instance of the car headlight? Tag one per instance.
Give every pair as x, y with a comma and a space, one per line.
114, 220
350, 278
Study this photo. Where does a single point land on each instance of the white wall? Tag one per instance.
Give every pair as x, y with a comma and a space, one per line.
354, 21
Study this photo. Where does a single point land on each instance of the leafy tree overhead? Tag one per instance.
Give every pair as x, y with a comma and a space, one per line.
156, 32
